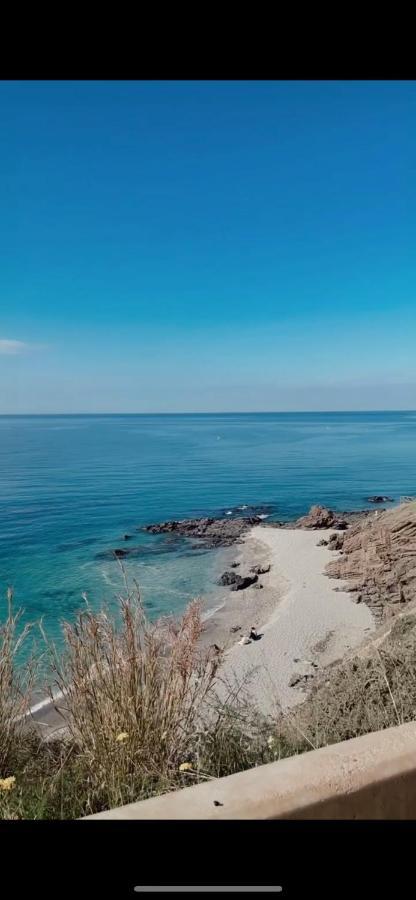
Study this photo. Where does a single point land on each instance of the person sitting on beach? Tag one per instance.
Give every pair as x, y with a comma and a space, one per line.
253, 633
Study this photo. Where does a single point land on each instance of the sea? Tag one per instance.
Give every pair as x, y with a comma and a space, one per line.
71, 487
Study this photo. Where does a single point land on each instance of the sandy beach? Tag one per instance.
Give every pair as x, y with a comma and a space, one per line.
303, 619
304, 623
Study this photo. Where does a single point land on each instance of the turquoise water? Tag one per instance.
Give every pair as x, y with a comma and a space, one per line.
71, 486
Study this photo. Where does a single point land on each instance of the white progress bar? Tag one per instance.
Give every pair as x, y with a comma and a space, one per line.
208, 889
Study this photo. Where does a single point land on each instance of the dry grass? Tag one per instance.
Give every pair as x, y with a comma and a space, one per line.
360, 695
142, 715
15, 685
133, 697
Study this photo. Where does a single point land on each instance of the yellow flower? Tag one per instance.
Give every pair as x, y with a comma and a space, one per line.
123, 736
185, 767
6, 784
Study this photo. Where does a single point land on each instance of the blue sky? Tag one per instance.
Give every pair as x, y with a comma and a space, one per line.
181, 246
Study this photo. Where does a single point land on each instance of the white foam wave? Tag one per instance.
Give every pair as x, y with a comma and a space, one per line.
211, 612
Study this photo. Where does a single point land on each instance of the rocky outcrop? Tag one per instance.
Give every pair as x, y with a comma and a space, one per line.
377, 498
260, 570
237, 582
213, 532
320, 517
378, 560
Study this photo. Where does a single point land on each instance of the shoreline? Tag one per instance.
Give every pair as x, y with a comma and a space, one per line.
304, 619
291, 642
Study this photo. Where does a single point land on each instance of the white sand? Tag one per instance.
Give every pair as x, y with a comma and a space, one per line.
299, 614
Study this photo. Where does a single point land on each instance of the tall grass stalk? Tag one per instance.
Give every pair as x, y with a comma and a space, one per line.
133, 694
16, 682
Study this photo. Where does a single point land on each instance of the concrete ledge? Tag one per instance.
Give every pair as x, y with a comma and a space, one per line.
370, 777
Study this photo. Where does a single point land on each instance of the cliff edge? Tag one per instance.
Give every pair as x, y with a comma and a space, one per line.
378, 560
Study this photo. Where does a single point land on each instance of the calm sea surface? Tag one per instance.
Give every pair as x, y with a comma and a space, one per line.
71, 486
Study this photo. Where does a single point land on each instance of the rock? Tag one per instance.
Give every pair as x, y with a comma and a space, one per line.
228, 578
119, 553
258, 587
379, 499
127, 537
235, 565
300, 679
295, 679
236, 581
322, 543
260, 570
335, 541
243, 582
379, 560
235, 628
213, 532
249, 510
317, 517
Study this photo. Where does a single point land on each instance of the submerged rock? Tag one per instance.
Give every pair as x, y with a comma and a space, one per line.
249, 510
379, 499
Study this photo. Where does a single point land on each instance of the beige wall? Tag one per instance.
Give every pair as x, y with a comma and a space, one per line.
370, 777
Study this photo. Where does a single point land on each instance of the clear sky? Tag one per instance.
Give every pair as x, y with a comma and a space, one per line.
207, 246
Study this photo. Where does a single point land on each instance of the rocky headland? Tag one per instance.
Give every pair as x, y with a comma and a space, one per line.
378, 560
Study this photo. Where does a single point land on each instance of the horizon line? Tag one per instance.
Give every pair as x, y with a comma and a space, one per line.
247, 412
